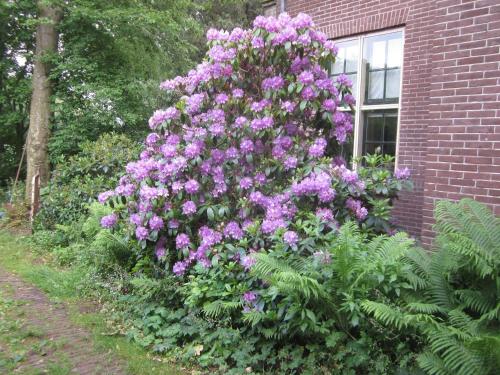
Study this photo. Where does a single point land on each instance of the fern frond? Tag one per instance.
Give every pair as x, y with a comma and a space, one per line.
475, 300
432, 364
217, 308
425, 308
285, 275
456, 356
387, 315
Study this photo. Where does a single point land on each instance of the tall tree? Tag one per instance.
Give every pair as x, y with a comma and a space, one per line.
37, 156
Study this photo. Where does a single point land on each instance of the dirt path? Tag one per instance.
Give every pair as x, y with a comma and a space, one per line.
51, 321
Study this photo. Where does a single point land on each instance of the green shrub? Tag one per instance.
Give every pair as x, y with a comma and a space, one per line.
78, 180
455, 302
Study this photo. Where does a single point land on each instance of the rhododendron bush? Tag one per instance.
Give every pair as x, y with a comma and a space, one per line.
247, 151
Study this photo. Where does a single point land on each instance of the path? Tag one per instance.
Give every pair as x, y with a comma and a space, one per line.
53, 323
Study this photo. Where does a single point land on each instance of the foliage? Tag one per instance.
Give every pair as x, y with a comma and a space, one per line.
16, 51
455, 303
77, 180
102, 80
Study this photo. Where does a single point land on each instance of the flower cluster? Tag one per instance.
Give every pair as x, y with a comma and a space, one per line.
242, 147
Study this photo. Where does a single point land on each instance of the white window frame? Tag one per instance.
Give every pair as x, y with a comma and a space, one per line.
360, 107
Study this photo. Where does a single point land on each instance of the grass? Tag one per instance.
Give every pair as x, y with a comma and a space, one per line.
60, 286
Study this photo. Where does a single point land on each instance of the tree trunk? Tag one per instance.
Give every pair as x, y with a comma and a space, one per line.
38, 133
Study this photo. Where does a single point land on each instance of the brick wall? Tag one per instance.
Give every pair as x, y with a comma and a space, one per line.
463, 157
450, 115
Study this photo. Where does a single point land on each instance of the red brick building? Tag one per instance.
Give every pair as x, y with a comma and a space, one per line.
427, 79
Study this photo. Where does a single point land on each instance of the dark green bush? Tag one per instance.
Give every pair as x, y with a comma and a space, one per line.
78, 180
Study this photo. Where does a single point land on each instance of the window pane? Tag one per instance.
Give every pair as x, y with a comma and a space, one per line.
392, 83
382, 55
380, 131
376, 85
347, 58
351, 56
391, 127
375, 127
354, 80
376, 53
394, 53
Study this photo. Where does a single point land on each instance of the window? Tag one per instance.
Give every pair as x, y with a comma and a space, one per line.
373, 62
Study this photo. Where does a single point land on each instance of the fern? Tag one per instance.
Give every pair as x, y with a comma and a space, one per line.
455, 304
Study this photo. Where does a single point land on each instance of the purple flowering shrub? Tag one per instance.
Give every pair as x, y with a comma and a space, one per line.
244, 149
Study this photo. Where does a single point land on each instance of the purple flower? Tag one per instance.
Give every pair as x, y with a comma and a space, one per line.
182, 241
355, 206
245, 183
238, 93
257, 42
273, 83
306, 77
344, 80
329, 105
192, 186
179, 268
249, 297
233, 230
246, 146
109, 221
156, 222
136, 219
173, 224
248, 262
317, 149
141, 233
162, 116
288, 106
308, 93
221, 98
402, 174
188, 208
290, 162
290, 237
103, 197
152, 138
324, 214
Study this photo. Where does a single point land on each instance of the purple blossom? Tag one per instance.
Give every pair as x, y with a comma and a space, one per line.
288, 106
179, 268
141, 233
221, 98
109, 221
103, 197
161, 116
306, 77
156, 223
273, 83
329, 105
192, 186
189, 208
246, 183
135, 219
182, 241
324, 214
233, 230
246, 146
290, 237
248, 262
317, 149
249, 297
238, 93
402, 174
290, 163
